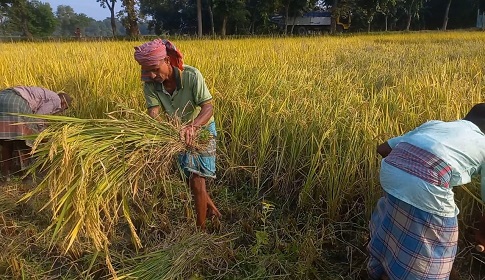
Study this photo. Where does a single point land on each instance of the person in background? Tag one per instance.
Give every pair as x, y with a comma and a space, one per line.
179, 90
414, 227
77, 33
24, 100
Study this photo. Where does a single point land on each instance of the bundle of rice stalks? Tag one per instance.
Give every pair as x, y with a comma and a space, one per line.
94, 169
182, 257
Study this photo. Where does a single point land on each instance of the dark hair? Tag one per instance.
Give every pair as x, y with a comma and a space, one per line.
66, 97
476, 115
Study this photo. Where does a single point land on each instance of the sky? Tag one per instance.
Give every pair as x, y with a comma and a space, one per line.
90, 8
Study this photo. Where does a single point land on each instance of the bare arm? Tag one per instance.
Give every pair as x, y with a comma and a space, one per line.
384, 149
206, 112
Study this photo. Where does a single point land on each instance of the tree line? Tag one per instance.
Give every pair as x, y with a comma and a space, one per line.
33, 18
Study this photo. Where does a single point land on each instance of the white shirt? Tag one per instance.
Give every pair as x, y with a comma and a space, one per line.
460, 143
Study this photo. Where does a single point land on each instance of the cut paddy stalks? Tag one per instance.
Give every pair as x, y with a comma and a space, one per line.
473, 196
94, 169
178, 257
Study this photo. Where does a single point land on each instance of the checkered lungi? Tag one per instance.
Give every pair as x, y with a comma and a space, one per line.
408, 243
10, 129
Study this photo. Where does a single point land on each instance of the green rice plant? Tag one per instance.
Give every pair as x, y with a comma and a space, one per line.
95, 170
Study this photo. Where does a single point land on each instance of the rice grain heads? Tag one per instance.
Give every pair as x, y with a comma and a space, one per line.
94, 169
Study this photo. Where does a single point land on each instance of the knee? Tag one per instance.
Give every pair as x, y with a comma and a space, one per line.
197, 183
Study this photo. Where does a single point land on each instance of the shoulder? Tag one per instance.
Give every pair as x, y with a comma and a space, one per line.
432, 125
462, 126
148, 87
432, 122
191, 72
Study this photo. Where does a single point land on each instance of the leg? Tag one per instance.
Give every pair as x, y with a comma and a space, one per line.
211, 208
375, 269
7, 154
197, 186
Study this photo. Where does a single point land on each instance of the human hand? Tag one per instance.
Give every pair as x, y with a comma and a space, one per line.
188, 133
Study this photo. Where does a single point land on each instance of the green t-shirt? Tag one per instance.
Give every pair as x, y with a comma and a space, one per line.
185, 101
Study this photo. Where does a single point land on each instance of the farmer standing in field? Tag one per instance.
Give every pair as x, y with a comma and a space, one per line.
414, 228
24, 100
179, 90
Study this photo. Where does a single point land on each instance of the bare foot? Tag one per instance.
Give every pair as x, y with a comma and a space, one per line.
213, 211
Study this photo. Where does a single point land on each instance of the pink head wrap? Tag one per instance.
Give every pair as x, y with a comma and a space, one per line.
151, 53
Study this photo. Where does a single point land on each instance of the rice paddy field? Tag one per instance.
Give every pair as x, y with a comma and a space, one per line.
298, 120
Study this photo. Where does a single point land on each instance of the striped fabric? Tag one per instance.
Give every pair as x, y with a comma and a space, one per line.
11, 102
408, 243
420, 163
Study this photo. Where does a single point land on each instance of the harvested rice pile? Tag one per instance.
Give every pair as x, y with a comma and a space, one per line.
94, 169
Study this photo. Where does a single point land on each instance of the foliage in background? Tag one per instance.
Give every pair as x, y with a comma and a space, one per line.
110, 4
232, 17
28, 18
69, 20
162, 15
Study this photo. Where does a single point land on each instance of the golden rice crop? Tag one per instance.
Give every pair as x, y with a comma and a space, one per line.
299, 118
